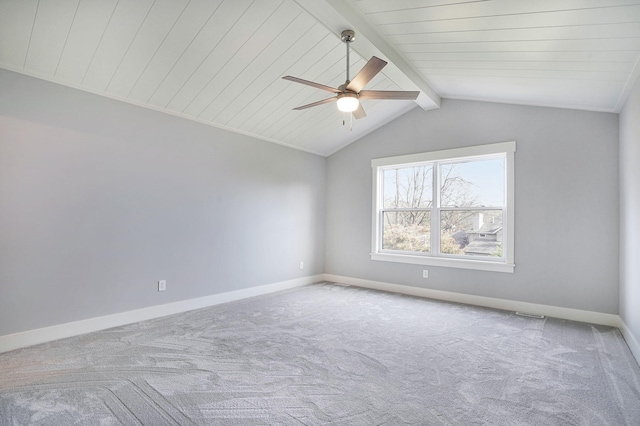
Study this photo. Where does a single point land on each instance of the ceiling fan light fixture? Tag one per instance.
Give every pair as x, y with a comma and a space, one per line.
348, 102
348, 95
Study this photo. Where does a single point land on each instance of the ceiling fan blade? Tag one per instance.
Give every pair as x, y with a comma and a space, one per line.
324, 101
388, 94
359, 113
311, 83
365, 75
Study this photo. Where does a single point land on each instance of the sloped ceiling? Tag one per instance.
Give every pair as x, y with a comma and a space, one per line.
220, 62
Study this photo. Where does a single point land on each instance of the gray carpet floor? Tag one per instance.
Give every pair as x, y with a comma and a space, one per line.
328, 354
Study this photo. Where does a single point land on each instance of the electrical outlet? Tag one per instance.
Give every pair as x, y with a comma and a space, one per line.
301, 265
425, 273
162, 285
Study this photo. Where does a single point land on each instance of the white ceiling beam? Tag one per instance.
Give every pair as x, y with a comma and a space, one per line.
338, 15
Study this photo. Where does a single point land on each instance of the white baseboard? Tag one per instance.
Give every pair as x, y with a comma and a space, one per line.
488, 302
42, 335
60, 331
632, 342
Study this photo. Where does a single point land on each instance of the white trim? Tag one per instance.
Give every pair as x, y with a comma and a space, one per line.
446, 154
444, 262
506, 264
488, 302
60, 331
631, 340
509, 241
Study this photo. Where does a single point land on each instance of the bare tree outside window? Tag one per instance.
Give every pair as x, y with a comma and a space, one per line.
471, 197
408, 198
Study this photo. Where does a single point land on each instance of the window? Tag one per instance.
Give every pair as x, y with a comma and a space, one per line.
449, 208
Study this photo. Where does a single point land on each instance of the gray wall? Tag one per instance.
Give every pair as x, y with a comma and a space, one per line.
566, 240
100, 199
630, 213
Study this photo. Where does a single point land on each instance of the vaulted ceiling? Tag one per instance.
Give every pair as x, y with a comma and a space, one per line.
220, 62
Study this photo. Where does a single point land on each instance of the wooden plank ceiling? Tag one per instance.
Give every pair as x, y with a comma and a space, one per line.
580, 54
220, 62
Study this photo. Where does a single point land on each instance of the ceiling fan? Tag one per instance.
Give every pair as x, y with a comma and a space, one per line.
349, 94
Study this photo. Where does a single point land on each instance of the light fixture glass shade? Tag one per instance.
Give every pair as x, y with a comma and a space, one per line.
348, 102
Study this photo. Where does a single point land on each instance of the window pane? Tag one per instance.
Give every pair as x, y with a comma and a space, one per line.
407, 231
471, 232
408, 187
478, 183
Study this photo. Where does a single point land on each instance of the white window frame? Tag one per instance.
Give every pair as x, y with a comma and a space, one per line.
504, 264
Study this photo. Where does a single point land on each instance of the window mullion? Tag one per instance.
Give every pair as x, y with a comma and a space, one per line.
380, 202
435, 211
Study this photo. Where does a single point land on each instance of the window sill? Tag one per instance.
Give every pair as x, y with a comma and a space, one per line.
447, 263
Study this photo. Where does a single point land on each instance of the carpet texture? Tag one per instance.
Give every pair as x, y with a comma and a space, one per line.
328, 354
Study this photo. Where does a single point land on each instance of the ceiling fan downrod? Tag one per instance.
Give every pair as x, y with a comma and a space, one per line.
347, 37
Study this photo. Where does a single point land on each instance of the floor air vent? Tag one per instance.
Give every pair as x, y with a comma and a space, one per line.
524, 314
